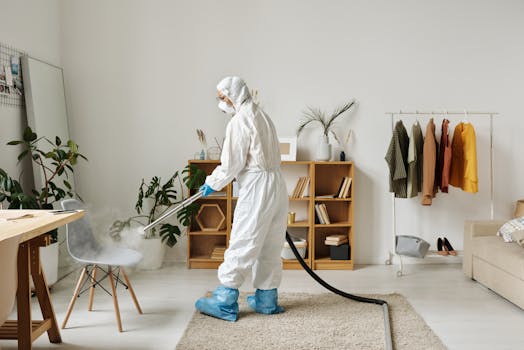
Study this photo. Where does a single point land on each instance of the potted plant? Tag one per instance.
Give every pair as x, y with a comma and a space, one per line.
154, 198
315, 115
56, 165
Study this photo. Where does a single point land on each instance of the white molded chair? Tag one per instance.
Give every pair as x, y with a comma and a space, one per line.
8, 276
84, 248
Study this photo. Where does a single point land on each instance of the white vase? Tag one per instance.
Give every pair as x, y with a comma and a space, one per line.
323, 149
49, 261
153, 251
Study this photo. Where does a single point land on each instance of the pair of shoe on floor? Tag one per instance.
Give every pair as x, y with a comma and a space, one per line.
223, 303
444, 247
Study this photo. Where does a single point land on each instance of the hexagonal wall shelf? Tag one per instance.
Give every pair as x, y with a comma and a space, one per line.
211, 218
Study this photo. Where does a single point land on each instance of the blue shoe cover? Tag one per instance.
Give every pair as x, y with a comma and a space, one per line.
223, 304
265, 302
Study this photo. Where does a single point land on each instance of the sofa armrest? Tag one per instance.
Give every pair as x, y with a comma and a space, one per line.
476, 229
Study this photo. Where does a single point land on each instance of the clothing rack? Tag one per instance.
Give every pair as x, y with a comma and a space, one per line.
467, 114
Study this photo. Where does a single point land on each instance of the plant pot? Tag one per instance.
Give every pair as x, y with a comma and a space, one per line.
49, 261
153, 251
323, 150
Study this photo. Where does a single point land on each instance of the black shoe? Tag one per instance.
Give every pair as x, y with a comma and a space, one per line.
449, 248
441, 250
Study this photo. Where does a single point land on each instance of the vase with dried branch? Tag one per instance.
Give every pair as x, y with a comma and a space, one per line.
327, 122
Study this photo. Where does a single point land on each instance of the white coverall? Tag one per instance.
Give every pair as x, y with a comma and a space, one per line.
251, 154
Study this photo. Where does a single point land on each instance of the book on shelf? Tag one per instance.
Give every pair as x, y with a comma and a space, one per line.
336, 243
218, 253
301, 188
344, 187
305, 188
322, 214
336, 238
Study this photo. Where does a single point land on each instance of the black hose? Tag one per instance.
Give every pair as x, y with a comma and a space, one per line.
324, 284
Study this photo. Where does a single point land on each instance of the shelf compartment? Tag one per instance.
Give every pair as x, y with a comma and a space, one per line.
329, 176
338, 211
321, 250
201, 246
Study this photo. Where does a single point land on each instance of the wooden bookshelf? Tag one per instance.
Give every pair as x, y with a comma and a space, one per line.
325, 178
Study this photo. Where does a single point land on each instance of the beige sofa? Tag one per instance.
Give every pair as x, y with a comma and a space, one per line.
492, 262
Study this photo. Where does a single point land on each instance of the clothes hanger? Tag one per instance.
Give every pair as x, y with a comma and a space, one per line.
465, 120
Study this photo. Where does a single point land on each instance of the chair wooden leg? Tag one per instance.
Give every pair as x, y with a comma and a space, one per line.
131, 291
92, 289
75, 296
115, 299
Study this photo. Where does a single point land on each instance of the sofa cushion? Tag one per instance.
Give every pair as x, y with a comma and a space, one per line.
506, 256
506, 230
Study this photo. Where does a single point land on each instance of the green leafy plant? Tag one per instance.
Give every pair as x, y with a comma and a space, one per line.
315, 115
56, 165
161, 196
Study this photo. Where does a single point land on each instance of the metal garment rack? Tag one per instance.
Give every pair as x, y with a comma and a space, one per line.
466, 114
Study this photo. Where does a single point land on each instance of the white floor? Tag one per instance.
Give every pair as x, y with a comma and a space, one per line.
461, 312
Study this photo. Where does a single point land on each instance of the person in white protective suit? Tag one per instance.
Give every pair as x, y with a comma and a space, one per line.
251, 154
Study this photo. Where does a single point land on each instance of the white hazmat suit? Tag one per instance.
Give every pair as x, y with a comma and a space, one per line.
251, 154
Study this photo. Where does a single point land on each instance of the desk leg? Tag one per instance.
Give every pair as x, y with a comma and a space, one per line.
42, 292
23, 299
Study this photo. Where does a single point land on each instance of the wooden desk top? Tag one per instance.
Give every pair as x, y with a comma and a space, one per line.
42, 221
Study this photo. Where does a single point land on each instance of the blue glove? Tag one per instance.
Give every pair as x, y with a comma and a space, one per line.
206, 189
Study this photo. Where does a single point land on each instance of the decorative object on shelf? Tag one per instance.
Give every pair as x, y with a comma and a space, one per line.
300, 244
342, 146
290, 218
340, 252
213, 153
288, 148
203, 143
210, 217
315, 115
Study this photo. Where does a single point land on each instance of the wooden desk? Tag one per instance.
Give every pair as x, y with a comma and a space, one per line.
32, 232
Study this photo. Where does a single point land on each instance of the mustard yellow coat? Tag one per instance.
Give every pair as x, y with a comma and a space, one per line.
463, 170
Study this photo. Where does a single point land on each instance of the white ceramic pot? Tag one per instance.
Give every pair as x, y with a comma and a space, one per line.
153, 251
323, 149
49, 261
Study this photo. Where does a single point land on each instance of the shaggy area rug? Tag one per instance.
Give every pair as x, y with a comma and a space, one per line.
313, 321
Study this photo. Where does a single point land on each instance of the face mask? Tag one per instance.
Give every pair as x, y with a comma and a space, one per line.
226, 108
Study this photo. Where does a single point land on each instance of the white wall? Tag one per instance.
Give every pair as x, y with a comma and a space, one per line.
141, 78
33, 27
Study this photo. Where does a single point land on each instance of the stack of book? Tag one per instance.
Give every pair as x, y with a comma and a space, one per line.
345, 185
301, 188
336, 240
322, 214
218, 253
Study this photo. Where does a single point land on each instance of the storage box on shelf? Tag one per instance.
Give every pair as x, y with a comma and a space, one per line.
324, 179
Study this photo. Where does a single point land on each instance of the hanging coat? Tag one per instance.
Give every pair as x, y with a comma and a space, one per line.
444, 159
430, 160
397, 159
463, 170
415, 157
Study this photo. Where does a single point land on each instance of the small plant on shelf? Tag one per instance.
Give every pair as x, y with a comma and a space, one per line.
159, 198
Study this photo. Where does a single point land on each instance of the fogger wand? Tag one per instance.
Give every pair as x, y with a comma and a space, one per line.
174, 210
